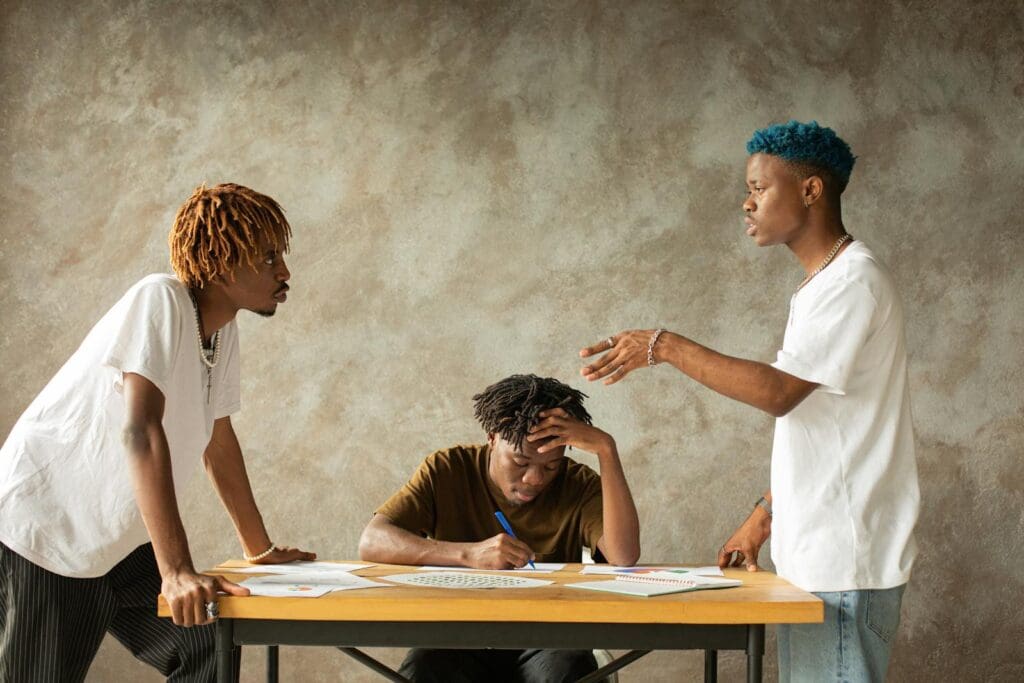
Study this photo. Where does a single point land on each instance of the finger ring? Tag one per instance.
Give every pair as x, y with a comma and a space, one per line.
620, 368
212, 610
611, 342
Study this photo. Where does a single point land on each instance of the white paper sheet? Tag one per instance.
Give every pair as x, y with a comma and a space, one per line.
611, 569
298, 568
542, 568
310, 585
460, 579
287, 590
657, 583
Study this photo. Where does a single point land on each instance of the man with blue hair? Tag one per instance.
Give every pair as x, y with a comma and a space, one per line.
844, 495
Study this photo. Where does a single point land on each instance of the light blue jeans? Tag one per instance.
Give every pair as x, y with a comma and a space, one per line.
852, 646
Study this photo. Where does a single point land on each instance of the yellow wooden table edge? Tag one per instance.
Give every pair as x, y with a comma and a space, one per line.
764, 598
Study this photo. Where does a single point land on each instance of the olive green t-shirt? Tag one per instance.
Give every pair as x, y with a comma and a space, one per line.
451, 498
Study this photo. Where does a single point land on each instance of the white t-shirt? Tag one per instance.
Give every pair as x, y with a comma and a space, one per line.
67, 503
843, 476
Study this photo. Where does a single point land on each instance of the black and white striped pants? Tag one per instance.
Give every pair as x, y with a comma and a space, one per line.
51, 626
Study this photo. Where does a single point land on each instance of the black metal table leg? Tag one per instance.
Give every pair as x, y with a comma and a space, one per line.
272, 655
225, 651
710, 666
755, 652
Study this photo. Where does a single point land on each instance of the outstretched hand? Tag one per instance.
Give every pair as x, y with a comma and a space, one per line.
623, 353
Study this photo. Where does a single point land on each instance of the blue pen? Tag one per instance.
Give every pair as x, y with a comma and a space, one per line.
508, 530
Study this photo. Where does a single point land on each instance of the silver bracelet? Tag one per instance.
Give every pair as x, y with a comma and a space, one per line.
253, 558
650, 347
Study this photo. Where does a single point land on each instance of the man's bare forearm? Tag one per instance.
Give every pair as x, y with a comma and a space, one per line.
620, 543
225, 467
150, 464
751, 382
383, 541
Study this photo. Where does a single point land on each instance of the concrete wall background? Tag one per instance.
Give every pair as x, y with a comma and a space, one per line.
479, 189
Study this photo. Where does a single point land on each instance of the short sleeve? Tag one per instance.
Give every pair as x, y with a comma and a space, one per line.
413, 507
229, 393
146, 339
826, 333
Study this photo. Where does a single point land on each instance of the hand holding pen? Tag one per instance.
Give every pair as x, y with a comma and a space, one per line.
508, 530
497, 552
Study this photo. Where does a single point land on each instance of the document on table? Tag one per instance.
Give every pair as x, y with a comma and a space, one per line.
307, 585
299, 568
611, 569
657, 583
461, 579
541, 568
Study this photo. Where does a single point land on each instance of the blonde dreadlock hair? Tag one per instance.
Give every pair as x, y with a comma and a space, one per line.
219, 228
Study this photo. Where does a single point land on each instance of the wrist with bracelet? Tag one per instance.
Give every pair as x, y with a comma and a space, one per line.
259, 556
650, 347
764, 504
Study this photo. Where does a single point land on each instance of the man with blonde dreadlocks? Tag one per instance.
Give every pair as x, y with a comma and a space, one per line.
445, 515
90, 531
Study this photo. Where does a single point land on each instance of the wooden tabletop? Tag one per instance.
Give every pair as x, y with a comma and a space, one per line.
763, 598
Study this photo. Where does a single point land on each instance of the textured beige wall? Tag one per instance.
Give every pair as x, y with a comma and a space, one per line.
479, 189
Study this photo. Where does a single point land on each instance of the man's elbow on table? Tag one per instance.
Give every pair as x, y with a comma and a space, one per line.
377, 544
626, 560
369, 547
622, 558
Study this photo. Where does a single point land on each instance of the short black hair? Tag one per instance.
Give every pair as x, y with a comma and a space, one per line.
511, 406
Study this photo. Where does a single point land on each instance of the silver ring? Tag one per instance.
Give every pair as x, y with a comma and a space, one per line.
619, 369
212, 610
611, 343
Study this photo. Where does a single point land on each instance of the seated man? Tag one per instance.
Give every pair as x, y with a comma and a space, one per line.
444, 515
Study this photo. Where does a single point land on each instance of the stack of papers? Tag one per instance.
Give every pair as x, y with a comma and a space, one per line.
304, 579
461, 579
612, 569
306, 585
657, 583
538, 568
298, 568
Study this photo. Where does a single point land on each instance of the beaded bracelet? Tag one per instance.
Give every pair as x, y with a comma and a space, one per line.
650, 347
253, 558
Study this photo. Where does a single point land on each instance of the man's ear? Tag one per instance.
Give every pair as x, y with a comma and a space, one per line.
814, 187
491, 439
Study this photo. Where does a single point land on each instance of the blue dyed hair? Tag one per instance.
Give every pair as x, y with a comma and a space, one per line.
807, 146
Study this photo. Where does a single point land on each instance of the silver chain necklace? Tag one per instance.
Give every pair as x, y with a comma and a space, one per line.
828, 259
209, 357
